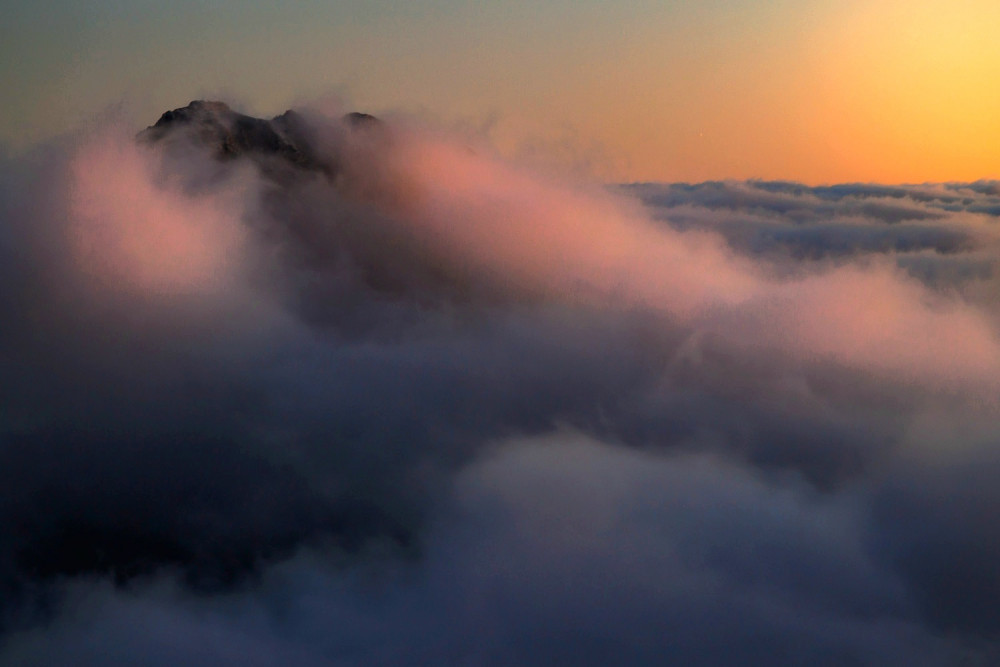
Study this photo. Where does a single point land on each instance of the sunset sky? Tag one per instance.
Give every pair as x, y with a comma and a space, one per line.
817, 91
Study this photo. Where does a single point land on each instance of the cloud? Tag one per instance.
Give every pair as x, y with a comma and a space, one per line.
553, 549
381, 397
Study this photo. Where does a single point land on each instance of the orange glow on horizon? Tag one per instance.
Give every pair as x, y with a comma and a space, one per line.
913, 98
888, 92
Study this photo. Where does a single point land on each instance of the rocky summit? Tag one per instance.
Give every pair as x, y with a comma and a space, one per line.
275, 144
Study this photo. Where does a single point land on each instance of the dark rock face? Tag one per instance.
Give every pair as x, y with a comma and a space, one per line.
276, 144
357, 119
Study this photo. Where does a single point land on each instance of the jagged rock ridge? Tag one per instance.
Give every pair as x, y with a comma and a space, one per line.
230, 134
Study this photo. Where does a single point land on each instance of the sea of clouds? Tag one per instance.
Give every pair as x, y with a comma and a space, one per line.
433, 407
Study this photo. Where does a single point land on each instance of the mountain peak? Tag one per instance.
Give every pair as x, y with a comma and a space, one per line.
286, 139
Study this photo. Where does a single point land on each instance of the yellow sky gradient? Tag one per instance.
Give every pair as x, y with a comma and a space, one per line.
888, 92
817, 91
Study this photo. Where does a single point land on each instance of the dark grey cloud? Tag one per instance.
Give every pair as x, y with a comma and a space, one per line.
557, 550
934, 232
325, 391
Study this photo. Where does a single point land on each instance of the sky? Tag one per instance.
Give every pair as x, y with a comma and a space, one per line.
818, 91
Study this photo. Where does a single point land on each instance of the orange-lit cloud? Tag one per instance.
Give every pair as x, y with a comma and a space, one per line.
514, 226
133, 229
481, 220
